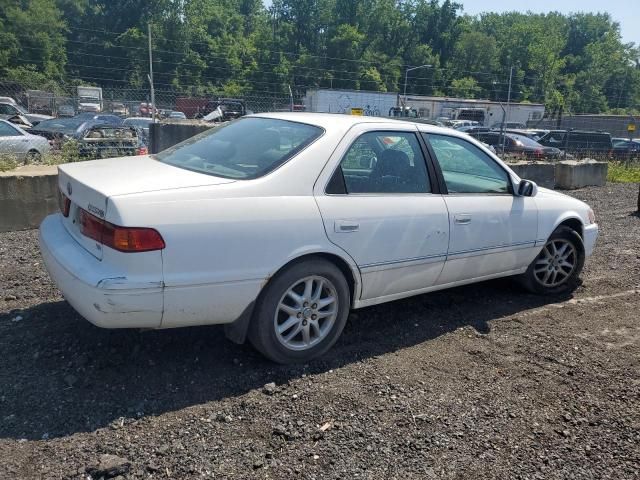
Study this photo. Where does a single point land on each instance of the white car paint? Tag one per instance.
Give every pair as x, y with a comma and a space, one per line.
16, 142
226, 238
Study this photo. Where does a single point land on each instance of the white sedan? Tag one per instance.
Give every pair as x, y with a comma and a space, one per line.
16, 142
277, 225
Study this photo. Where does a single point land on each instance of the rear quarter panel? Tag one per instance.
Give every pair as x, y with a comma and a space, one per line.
222, 246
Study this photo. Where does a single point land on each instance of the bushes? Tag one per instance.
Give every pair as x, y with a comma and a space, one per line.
69, 152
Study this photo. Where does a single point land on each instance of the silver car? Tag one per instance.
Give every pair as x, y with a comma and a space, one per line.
17, 143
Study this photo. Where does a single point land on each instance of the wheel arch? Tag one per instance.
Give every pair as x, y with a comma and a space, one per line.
348, 269
574, 223
236, 331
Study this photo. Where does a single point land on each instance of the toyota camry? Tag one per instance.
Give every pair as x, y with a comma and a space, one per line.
277, 225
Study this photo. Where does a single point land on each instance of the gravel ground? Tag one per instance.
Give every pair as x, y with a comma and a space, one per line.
477, 382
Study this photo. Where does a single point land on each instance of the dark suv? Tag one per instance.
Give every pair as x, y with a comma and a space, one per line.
579, 142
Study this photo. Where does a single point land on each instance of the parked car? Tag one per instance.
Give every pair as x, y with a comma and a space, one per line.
624, 148
516, 144
119, 109
95, 139
279, 237
457, 124
177, 115
141, 123
12, 109
516, 125
66, 110
145, 110
579, 142
223, 110
22, 145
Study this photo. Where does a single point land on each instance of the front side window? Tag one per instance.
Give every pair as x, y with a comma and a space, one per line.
466, 168
384, 162
244, 149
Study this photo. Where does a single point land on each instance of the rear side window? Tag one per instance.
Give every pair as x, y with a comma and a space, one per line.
382, 162
244, 149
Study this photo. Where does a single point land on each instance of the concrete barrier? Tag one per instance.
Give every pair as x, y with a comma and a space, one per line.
564, 175
543, 173
27, 196
572, 174
165, 135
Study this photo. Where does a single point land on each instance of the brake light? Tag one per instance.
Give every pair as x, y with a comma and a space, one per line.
123, 239
64, 203
142, 151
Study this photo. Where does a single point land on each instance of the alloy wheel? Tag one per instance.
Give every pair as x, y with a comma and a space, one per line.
555, 263
306, 313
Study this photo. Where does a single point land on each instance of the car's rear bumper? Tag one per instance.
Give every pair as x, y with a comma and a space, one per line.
102, 296
590, 237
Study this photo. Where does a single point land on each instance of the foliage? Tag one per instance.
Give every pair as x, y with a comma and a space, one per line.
621, 172
575, 62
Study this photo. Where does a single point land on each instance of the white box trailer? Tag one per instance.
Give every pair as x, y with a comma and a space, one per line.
376, 104
486, 112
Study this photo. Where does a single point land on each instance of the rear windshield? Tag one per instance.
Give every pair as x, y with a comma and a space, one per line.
243, 149
63, 125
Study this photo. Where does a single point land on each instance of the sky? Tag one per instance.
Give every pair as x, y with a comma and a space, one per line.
625, 12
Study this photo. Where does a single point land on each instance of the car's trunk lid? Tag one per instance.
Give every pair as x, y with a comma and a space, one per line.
90, 184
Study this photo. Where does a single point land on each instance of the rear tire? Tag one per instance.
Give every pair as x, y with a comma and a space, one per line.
557, 267
301, 313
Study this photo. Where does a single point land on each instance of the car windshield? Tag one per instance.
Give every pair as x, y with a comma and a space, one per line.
244, 149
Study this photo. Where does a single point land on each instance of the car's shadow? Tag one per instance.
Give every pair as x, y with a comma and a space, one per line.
62, 375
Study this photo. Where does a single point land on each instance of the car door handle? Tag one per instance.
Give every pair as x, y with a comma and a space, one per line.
463, 219
345, 226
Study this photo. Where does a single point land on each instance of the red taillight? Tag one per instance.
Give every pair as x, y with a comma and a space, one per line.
142, 151
123, 239
64, 203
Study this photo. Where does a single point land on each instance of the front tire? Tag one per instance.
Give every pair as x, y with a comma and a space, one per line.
301, 313
557, 267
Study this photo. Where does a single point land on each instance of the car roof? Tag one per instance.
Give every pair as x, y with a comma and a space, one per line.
341, 120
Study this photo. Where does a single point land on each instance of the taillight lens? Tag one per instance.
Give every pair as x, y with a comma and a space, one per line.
123, 239
142, 151
64, 203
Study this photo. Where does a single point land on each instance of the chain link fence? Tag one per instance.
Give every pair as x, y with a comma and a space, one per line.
65, 102
135, 102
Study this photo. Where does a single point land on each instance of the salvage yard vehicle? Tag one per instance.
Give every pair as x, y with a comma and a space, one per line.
95, 139
22, 145
280, 236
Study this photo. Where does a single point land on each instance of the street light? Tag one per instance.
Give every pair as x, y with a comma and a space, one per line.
406, 73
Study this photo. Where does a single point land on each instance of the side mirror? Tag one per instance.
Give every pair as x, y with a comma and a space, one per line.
527, 188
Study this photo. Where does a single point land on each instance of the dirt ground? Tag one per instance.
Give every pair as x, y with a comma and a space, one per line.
479, 382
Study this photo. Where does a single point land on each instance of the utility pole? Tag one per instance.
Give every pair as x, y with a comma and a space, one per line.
290, 98
504, 139
406, 73
153, 93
